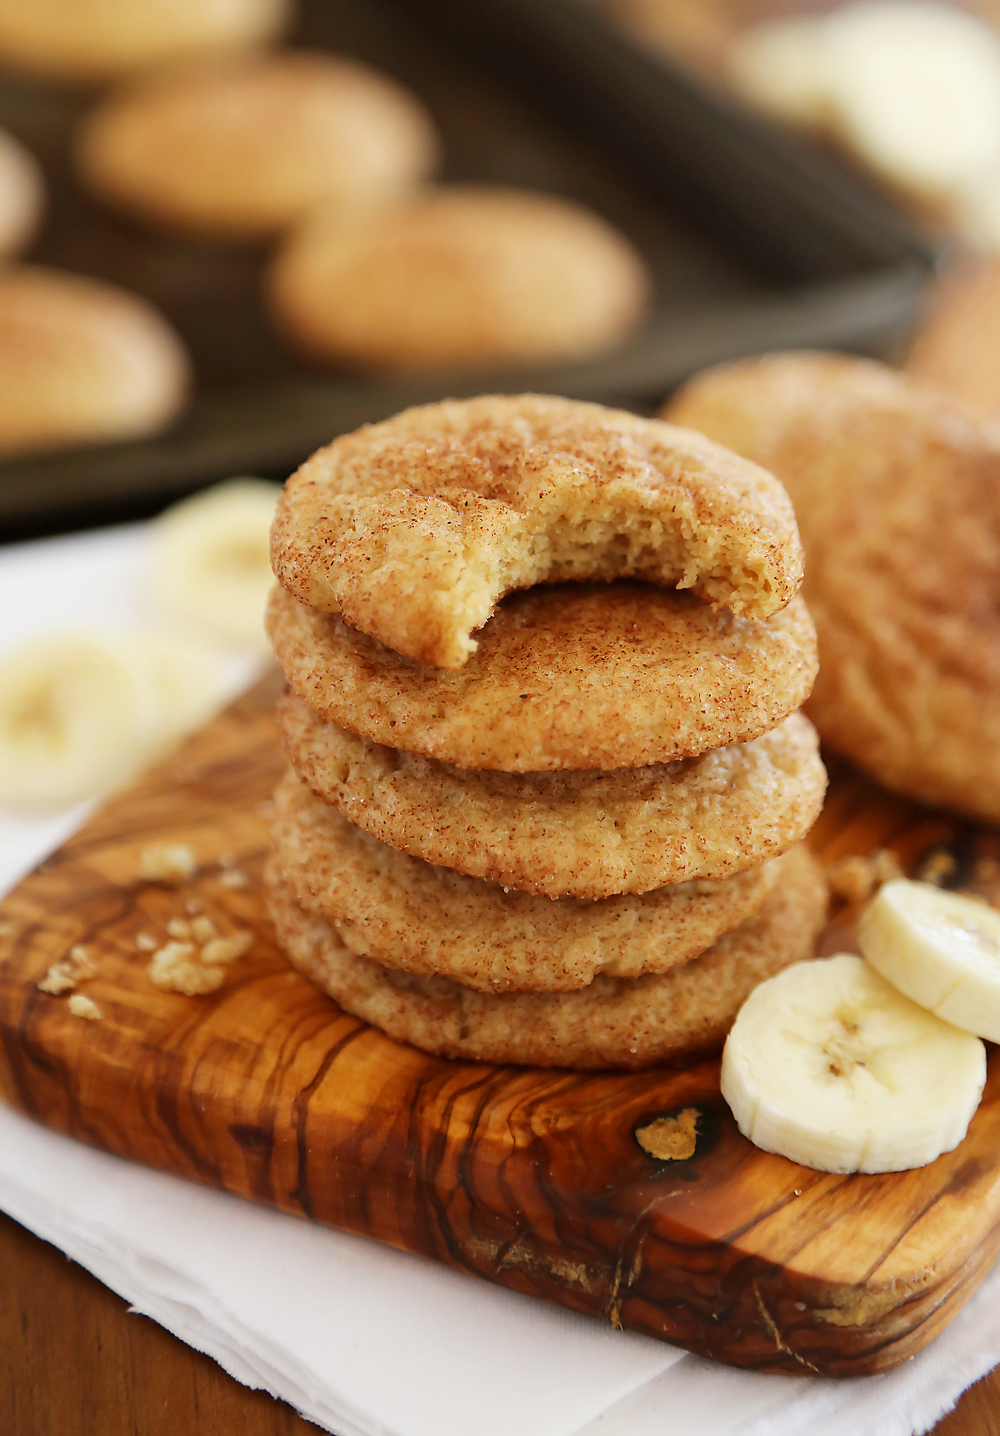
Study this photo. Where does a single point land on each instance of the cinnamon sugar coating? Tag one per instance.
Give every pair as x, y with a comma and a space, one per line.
588, 834
414, 529
613, 1022
414, 916
897, 490
577, 676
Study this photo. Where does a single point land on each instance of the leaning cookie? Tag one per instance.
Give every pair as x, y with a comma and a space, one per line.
245, 146
897, 490
613, 1023
82, 362
459, 276
414, 528
410, 915
615, 675
585, 834
88, 40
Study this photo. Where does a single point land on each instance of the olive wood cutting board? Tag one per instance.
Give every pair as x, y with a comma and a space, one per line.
631, 1197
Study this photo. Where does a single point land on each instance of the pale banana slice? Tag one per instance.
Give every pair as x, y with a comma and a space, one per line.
829, 1065
210, 563
915, 87
79, 714
780, 66
940, 948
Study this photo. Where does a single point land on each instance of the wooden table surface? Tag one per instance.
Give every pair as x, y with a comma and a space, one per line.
76, 1361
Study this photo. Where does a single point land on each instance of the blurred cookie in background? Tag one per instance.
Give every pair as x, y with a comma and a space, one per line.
244, 146
84, 41
82, 361
896, 489
956, 346
697, 33
22, 195
461, 275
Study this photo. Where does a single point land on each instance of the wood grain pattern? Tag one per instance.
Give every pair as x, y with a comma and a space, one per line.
533, 1179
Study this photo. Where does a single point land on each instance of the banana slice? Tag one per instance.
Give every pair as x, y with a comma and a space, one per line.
210, 561
939, 948
79, 714
915, 86
829, 1065
780, 66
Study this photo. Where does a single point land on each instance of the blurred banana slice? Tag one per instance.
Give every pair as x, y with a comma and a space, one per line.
210, 561
79, 714
941, 949
780, 66
916, 89
829, 1065
911, 86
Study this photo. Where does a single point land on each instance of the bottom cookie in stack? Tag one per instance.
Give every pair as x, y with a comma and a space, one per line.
611, 1023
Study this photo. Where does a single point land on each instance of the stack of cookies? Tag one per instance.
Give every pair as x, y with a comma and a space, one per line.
561, 827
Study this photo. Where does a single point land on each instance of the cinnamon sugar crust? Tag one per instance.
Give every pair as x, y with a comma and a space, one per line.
414, 529
612, 1023
587, 834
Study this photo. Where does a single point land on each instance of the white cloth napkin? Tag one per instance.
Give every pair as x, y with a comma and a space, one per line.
363, 1340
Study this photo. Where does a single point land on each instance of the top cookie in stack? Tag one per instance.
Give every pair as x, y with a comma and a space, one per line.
559, 842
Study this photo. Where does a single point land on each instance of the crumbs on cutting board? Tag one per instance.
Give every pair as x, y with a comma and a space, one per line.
171, 863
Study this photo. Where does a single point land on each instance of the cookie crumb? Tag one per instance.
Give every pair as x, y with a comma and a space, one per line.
146, 942
174, 969
234, 878
193, 907
670, 1139
60, 978
172, 863
227, 949
83, 964
203, 929
179, 928
63, 976
81, 1006
855, 878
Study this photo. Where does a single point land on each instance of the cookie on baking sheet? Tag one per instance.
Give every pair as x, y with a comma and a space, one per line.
408, 914
575, 676
22, 194
614, 1022
897, 490
244, 146
87, 40
461, 275
587, 834
82, 362
415, 527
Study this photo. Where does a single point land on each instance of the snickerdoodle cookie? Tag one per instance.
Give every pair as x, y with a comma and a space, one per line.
22, 194
82, 361
415, 527
461, 275
411, 915
897, 491
244, 146
87, 40
614, 1022
589, 834
573, 676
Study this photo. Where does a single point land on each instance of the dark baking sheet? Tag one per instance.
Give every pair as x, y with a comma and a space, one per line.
754, 243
